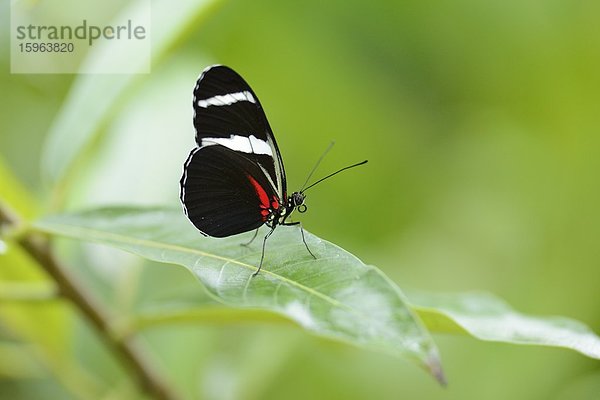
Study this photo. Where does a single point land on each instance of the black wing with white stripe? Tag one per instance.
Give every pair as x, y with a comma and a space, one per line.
228, 113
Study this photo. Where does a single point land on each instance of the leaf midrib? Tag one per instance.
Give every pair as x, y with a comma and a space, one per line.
116, 237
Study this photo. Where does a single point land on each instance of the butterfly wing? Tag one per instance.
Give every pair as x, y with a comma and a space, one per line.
223, 193
228, 113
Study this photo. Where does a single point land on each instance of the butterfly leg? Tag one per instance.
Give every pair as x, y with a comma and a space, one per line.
302, 233
251, 240
262, 256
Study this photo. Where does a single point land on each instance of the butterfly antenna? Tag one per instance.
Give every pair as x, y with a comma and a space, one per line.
335, 173
317, 164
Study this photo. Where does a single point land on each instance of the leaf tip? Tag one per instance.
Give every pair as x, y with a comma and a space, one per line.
434, 367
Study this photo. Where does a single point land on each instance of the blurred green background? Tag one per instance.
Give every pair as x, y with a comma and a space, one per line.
481, 122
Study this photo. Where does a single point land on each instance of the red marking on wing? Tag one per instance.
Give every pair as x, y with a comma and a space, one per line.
262, 196
275, 203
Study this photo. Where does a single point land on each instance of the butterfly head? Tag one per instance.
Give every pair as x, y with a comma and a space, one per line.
296, 200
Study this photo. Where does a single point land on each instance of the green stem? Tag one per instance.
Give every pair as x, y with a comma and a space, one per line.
27, 292
209, 315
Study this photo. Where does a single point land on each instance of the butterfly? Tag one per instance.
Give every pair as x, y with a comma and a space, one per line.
234, 180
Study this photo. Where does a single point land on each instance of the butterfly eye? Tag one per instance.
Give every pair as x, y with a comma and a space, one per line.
297, 199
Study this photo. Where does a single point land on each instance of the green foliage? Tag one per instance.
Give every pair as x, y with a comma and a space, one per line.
486, 317
93, 98
335, 295
30, 310
480, 123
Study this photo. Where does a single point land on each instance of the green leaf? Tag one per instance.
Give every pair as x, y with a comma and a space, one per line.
486, 317
14, 194
480, 315
95, 97
17, 362
335, 296
217, 315
27, 292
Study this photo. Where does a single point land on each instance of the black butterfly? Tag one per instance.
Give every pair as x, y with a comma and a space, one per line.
234, 181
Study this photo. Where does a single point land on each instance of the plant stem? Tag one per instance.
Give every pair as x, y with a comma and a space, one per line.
126, 348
